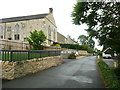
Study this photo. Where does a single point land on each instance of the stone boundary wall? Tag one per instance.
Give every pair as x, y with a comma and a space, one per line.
12, 44
12, 70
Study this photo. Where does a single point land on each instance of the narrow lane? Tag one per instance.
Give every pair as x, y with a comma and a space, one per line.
80, 73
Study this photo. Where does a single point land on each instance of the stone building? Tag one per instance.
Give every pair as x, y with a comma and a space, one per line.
13, 31
61, 38
65, 40
69, 40
18, 28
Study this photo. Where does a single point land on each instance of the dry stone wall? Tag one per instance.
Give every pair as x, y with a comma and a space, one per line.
12, 70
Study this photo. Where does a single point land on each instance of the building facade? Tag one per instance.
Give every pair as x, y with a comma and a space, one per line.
13, 31
18, 28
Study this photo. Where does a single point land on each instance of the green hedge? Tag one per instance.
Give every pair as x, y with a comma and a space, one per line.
117, 72
108, 75
78, 47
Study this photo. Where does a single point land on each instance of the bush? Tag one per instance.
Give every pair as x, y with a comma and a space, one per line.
117, 72
57, 45
108, 75
72, 56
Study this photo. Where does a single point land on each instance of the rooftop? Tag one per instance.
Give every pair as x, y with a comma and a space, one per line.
22, 18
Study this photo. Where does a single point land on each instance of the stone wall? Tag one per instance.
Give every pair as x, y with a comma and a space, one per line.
13, 45
12, 70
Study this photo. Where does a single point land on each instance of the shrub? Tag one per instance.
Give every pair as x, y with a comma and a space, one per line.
72, 56
57, 45
117, 72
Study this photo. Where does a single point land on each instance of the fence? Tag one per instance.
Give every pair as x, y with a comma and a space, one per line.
19, 55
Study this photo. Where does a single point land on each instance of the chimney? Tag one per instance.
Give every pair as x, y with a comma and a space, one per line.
50, 10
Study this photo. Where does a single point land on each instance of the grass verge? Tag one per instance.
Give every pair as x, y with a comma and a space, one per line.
110, 79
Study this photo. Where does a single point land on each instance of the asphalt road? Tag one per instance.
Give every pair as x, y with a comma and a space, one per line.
80, 73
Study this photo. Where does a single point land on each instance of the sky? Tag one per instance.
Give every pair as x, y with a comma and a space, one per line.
62, 10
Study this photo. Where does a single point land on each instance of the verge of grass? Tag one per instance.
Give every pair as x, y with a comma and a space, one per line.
108, 75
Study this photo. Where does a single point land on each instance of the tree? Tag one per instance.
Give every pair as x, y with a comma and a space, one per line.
36, 38
86, 40
83, 39
103, 20
91, 42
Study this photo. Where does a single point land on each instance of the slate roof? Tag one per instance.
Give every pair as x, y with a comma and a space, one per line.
61, 34
22, 18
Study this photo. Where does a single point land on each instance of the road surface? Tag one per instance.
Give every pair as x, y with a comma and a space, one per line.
80, 73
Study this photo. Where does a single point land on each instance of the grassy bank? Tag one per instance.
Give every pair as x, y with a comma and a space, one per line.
108, 75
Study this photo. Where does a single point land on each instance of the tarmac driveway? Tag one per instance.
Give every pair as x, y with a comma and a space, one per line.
80, 73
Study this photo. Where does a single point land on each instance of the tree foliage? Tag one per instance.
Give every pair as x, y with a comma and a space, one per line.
91, 42
83, 39
36, 38
103, 20
86, 40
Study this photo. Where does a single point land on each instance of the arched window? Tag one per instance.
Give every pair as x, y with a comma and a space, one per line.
17, 27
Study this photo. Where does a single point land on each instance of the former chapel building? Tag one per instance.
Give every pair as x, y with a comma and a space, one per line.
16, 29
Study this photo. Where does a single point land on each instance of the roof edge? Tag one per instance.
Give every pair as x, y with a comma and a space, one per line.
22, 18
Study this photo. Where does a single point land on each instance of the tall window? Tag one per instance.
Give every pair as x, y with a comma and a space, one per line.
17, 36
9, 28
17, 27
49, 33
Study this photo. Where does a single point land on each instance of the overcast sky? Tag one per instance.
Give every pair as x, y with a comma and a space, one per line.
61, 10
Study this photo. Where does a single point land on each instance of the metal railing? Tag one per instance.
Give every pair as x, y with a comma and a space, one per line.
19, 55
